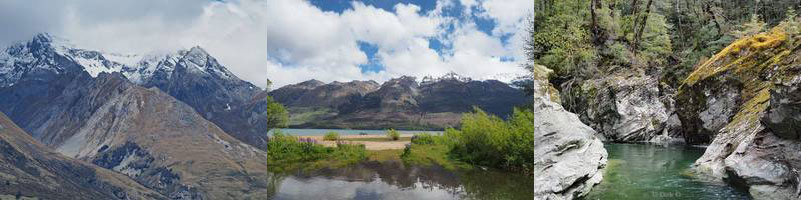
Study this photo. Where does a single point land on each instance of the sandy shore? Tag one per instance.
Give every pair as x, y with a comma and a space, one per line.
370, 145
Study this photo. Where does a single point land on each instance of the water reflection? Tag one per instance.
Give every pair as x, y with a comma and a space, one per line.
393, 180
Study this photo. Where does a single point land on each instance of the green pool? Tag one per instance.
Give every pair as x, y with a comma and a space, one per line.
643, 171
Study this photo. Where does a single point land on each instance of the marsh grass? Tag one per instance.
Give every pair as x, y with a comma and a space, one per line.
288, 153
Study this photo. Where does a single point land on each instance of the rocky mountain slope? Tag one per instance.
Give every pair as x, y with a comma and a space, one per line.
400, 103
743, 102
106, 119
146, 134
30, 169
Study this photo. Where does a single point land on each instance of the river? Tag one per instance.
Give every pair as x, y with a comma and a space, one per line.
644, 171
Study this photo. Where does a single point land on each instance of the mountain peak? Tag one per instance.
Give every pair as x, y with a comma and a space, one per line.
45, 38
197, 51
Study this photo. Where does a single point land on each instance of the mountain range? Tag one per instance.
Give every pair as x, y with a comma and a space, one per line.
180, 125
434, 103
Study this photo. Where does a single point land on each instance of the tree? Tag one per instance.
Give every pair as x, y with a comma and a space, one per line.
277, 115
753, 27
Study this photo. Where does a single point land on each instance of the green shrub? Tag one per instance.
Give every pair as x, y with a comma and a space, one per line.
286, 152
425, 138
489, 141
331, 136
393, 134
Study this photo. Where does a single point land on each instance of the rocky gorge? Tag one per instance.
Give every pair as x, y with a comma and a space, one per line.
742, 105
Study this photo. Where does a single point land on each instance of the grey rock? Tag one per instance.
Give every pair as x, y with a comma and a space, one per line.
568, 158
621, 109
746, 112
783, 117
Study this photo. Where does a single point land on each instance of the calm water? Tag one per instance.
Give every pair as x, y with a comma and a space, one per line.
392, 180
313, 132
640, 171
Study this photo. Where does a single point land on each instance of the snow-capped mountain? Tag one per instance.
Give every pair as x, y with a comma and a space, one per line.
46, 52
191, 75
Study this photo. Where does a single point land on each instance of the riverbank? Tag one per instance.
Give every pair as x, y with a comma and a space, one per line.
370, 142
309, 153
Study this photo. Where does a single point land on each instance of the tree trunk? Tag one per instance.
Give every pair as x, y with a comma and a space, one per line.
596, 38
638, 35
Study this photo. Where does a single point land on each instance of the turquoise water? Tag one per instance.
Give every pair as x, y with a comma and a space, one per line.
315, 132
642, 171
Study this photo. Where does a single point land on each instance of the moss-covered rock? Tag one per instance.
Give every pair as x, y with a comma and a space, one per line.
732, 85
541, 85
723, 102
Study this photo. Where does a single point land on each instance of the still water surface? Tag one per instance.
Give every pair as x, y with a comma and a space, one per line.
392, 180
642, 171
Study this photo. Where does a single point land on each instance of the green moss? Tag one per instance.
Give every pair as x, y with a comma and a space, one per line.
744, 55
750, 64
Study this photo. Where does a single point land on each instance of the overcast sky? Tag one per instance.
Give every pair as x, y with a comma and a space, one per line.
289, 41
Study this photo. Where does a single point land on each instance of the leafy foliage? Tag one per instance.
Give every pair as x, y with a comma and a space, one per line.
393, 134
589, 39
487, 140
277, 115
754, 26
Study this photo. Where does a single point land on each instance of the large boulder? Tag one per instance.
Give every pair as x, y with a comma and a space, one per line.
744, 101
622, 108
568, 158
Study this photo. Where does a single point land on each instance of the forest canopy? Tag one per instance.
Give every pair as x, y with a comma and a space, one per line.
583, 39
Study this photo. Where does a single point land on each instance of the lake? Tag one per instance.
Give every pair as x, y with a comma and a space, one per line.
318, 132
393, 180
644, 171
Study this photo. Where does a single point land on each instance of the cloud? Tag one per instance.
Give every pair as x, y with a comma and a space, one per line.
287, 41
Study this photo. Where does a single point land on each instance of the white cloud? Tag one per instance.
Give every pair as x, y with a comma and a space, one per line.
287, 41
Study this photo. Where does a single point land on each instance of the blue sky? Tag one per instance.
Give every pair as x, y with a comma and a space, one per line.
483, 24
290, 41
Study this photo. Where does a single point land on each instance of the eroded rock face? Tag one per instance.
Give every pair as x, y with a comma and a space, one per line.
744, 101
568, 158
30, 169
621, 109
144, 133
784, 115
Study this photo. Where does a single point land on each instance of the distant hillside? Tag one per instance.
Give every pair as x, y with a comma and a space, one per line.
398, 103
